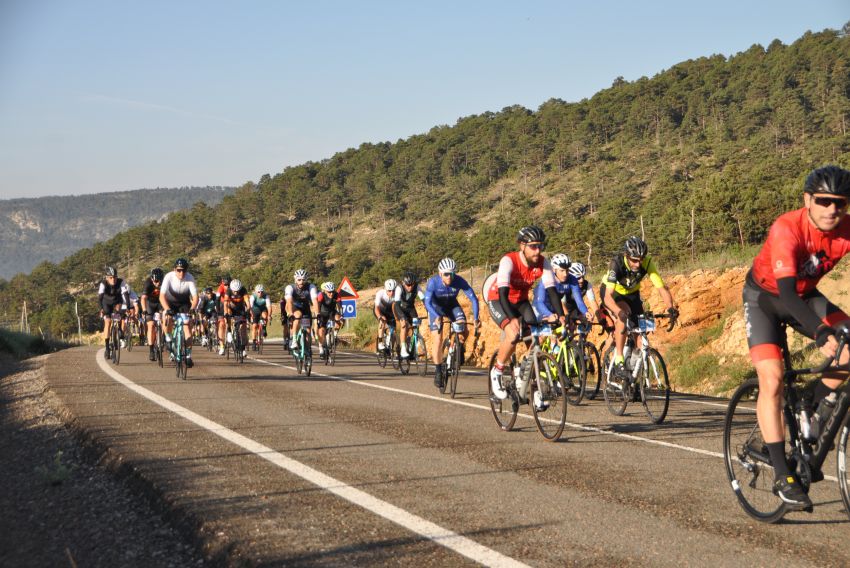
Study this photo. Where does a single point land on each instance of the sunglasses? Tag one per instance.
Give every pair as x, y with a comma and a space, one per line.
839, 202
179, 270
446, 274
536, 246
634, 259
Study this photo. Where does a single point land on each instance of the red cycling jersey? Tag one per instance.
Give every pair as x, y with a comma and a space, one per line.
795, 247
518, 277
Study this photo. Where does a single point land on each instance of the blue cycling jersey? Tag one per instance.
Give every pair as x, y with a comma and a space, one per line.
438, 294
541, 304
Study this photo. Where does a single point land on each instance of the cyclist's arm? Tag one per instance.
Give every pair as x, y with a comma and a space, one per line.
470, 293
377, 309
314, 299
503, 282
800, 311
101, 292
554, 299
575, 290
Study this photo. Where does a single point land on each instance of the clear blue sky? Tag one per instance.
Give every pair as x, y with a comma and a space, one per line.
112, 95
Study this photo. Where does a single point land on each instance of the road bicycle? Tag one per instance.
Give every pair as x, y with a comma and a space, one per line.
810, 439
329, 355
113, 345
592, 359
235, 341
257, 343
537, 380
384, 353
647, 379
211, 340
158, 338
569, 359
417, 352
131, 330
453, 356
303, 352
180, 345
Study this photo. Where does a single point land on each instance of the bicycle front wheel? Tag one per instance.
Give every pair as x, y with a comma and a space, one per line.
655, 387
504, 411
593, 370
573, 373
116, 345
548, 397
614, 388
381, 354
841, 463
395, 353
420, 356
747, 460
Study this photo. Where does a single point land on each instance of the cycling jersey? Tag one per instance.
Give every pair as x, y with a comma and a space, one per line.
406, 299
519, 277
302, 298
237, 302
329, 302
110, 295
150, 292
208, 306
383, 301
178, 291
259, 303
622, 280
439, 295
796, 248
569, 290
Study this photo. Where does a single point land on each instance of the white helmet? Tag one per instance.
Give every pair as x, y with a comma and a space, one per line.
301, 274
390, 285
578, 270
328, 287
259, 289
235, 285
446, 265
561, 261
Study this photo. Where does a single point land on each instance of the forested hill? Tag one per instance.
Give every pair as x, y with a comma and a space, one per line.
724, 141
51, 228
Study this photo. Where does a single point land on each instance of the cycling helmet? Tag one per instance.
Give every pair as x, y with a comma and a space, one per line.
225, 278
409, 278
531, 234
635, 247
235, 285
578, 270
561, 261
301, 274
157, 274
390, 285
447, 265
181, 263
208, 290
828, 179
328, 287
111, 271
259, 289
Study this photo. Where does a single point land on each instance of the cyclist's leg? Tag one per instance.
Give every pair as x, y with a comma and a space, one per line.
436, 327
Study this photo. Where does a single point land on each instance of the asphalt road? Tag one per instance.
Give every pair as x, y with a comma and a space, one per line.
359, 465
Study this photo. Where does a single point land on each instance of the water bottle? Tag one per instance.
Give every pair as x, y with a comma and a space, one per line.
556, 349
524, 376
822, 414
634, 358
627, 352
804, 419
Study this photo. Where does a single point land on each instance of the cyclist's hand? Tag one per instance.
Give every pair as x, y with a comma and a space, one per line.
589, 315
169, 313
829, 348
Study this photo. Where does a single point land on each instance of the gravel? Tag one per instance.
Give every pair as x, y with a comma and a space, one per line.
59, 508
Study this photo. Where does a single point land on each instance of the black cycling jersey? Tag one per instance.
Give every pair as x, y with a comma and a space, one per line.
328, 302
237, 301
406, 299
208, 306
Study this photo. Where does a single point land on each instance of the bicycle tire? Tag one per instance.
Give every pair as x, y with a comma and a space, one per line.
655, 387
129, 337
395, 352
116, 345
308, 356
452, 378
551, 420
745, 455
421, 355
159, 346
504, 411
380, 354
841, 466
614, 393
593, 370
574, 373
332, 347
404, 362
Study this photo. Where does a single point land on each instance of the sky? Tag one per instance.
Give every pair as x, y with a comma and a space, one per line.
114, 95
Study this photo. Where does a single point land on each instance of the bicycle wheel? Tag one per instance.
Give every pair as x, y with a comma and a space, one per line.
179, 354
552, 416
332, 347
421, 355
395, 352
614, 390
308, 357
116, 345
129, 336
404, 362
260, 341
380, 353
574, 373
504, 411
841, 463
159, 342
593, 370
655, 387
747, 460
453, 375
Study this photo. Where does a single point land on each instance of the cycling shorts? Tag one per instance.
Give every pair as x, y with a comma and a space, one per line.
502, 319
387, 312
453, 311
404, 314
764, 313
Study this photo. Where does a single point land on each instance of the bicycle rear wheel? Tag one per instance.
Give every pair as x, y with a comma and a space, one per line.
504, 411
593, 369
614, 387
574, 373
655, 387
128, 336
747, 460
552, 416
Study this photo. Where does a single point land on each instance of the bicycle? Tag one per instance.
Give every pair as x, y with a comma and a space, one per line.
452, 356
113, 346
416, 351
539, 373
592, 360
748, 464
211, 333
383, 353
330, 342
568, 358
304, 349
234, 338
257, 343
130, 330
647, 381
159, 338
178, 345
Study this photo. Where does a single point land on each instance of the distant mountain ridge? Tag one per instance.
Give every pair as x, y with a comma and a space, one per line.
33, 230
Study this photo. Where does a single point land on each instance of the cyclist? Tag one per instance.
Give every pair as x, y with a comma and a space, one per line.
781, 287
330, 307
220, 293
567, 290
302, 300
151, 305
284, 323
441, 301
235, 304
403, 308
261, 308
112, 293
620, 293
208, 308
132, 309
384, 313
507, 295
179, 294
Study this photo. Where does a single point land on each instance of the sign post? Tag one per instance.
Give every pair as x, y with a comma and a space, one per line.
349, 296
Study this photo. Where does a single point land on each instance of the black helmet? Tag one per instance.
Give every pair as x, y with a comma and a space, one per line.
110, 271
635, 247
408, 278
828, 179
225, 278
531, 234
181, 263
208, 290
157, 274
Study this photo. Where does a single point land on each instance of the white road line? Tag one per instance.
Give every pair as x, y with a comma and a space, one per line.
526, 416
433, 532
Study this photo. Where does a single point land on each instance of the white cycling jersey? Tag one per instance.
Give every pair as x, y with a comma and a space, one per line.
383, 300
176, 290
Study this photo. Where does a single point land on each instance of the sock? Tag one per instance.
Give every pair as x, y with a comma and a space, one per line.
619, 359
777, 459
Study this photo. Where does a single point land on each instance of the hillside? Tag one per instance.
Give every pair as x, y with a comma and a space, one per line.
51, 228
718, 144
